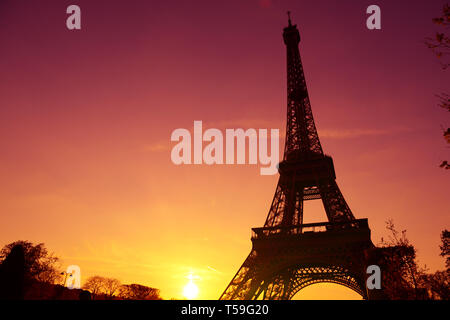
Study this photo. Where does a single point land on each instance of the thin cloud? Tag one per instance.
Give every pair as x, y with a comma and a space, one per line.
158, 147
215, 270
241, 123
356, 133
265, 3
166, 145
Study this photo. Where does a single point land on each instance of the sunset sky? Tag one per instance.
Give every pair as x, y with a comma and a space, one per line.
86, 118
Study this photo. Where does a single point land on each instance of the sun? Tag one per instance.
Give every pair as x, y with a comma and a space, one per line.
190, 290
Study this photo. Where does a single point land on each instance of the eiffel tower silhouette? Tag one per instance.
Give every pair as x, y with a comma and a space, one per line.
288, 255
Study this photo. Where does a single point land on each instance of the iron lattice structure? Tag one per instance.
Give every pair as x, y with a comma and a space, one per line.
288, 255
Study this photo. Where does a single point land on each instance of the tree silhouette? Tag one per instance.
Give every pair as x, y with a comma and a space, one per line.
440, 45
39, 264
403, 278
438, 283
138, 292
95, 285
445, 247
401, 272
12, 274
99, 285
111, 286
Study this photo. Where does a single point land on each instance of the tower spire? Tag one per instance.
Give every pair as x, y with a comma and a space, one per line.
289, 18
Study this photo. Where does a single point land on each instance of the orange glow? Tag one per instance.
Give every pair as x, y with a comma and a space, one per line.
85, 123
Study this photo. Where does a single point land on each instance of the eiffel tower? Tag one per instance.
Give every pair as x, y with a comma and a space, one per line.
288, 255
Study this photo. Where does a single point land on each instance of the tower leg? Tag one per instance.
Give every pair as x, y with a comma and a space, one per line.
245, 283
334, 203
